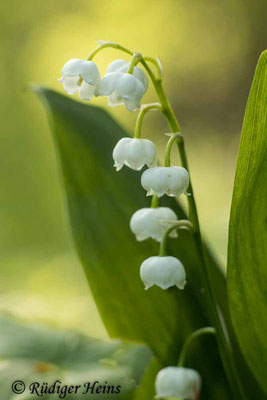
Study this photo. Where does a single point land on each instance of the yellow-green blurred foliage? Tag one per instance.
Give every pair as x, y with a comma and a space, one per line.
209, 50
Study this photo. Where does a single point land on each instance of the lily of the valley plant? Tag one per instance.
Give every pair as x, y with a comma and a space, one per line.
125, 83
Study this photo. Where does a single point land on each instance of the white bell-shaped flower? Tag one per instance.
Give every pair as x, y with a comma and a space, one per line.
172, 181
146, 223
135, 153
121, 87
178, 382
164, 272
76, 69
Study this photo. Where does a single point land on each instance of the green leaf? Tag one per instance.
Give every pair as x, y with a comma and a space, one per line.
101, 202
35, 353
247, 252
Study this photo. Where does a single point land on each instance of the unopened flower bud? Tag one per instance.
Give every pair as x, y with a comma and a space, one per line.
164, 272
178, 382
172, 181
147, 223
135, 153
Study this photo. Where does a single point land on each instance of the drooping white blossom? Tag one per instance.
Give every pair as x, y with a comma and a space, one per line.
135, 153
121, 87
178, 382
172, 181
164, 272
123, 66
80, 75
147, 223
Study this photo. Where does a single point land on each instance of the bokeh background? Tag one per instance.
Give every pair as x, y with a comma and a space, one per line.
209, 50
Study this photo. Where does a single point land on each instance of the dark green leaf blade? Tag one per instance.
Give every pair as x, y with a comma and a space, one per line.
37, 353
247, 251
101, 202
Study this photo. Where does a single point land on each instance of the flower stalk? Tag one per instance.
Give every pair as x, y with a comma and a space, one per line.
157, 63
174, 137
105, 44
195, 335
135, 58
154, 201
143, 111
182, 224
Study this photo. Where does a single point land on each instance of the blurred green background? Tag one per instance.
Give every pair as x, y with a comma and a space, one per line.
209, 50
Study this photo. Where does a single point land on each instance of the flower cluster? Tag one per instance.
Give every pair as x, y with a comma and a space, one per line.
125, 84
135, 153
120, 86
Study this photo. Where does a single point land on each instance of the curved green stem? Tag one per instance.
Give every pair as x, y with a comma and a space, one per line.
175, 137
157, 63
139, 120
195, 335
135, 58
167, 161
108, 45
181, 224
